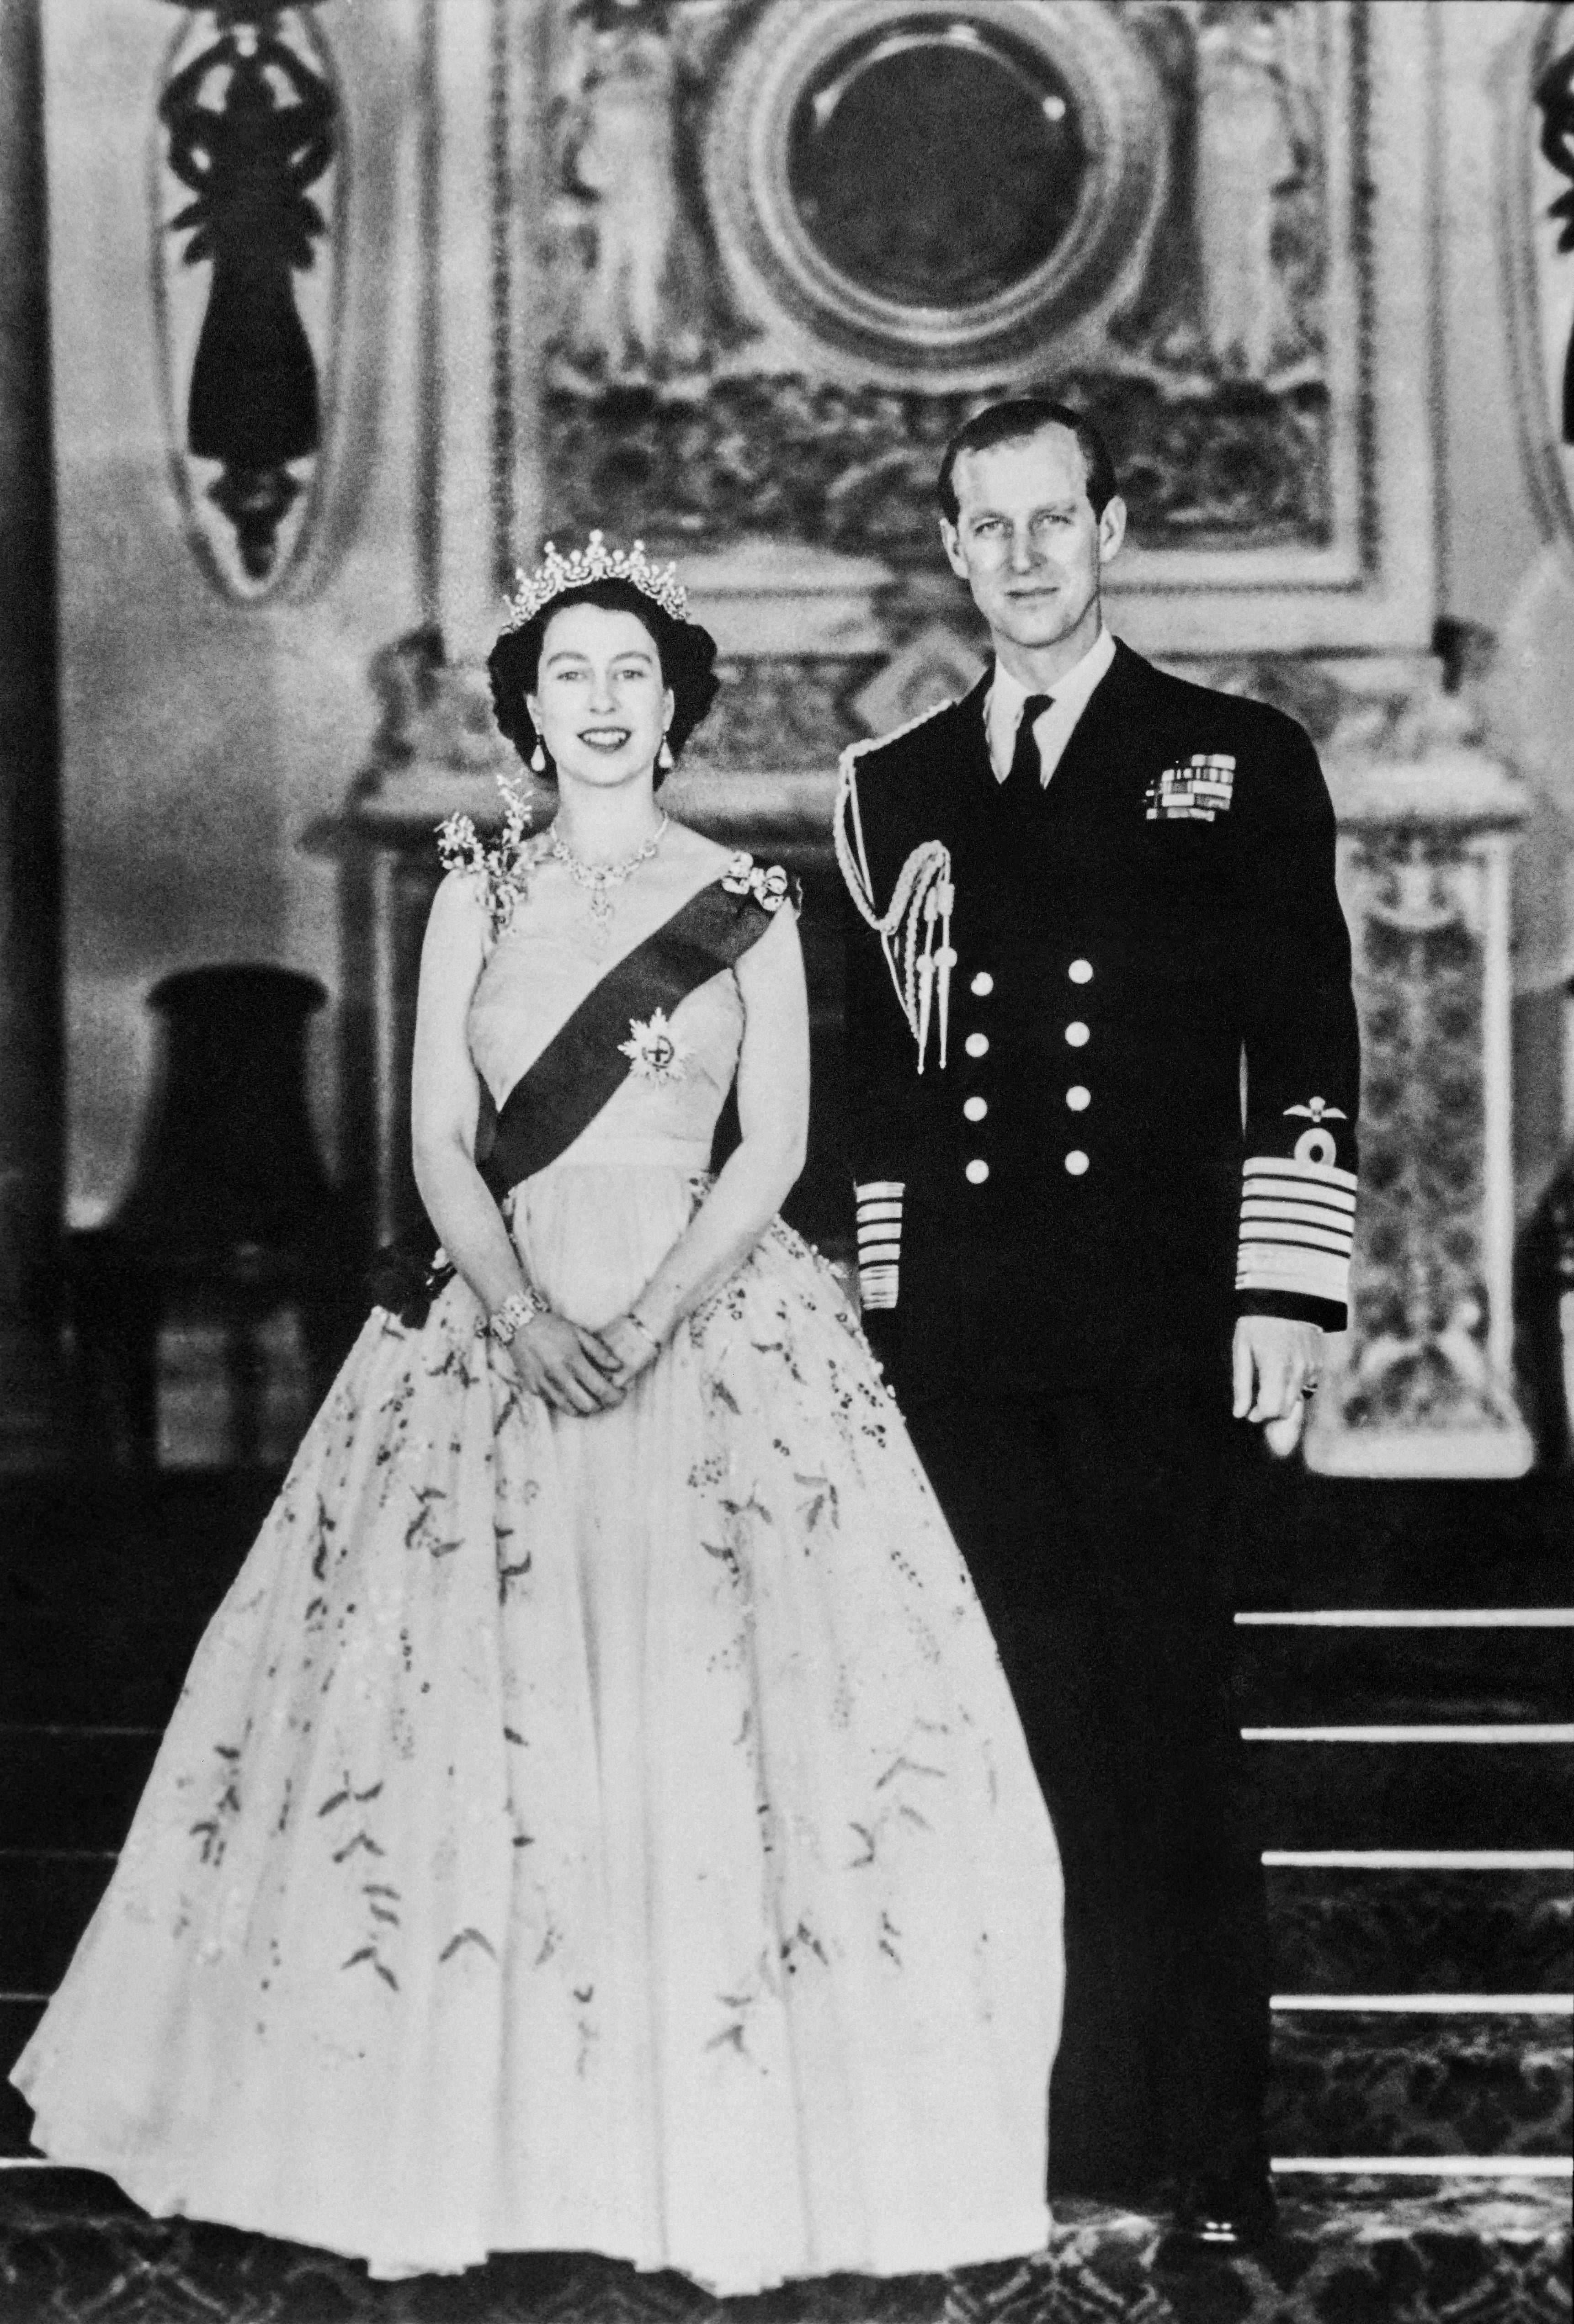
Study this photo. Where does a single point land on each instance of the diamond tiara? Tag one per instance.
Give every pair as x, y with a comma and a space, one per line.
594, 562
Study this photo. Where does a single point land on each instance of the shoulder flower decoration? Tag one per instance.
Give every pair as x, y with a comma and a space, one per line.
653, 1050
501, 871
768, 885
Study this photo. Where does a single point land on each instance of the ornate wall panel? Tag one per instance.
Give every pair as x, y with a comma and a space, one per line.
246, 195
789, 245
1421, 1386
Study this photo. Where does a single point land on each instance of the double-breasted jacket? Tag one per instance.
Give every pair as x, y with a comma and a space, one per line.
1102, 1048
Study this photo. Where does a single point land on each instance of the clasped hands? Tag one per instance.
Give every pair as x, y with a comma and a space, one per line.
575, 1369
1277, 1364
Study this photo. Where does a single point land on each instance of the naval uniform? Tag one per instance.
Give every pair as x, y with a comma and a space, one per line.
1103, 1084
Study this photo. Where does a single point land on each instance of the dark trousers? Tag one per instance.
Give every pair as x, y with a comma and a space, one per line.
1098, 1524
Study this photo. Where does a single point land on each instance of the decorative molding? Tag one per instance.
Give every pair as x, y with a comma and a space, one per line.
499, 90
476, 384
1536, 176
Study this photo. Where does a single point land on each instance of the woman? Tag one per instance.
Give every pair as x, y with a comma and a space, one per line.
596, 1818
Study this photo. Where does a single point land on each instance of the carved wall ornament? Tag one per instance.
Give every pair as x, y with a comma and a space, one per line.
849, 467
843, 166
247, 200
794, 245
638, 297
1536, 172
433, 712
779, 711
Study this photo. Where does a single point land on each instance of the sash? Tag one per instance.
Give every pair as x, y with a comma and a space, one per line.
559, 1094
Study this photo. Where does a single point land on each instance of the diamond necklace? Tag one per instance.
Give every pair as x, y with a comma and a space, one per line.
600, 878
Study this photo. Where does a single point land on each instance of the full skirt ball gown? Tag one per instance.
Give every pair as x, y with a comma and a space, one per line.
607, 1834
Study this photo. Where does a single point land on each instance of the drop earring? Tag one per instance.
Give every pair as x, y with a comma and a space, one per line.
665, 755
538, 759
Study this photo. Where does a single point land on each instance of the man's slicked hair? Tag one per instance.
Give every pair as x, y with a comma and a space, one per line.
1013, 422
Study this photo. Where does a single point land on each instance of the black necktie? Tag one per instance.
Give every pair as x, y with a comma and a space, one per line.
1026, 768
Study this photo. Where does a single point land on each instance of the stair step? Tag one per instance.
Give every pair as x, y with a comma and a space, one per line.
72, 1787
1342, 1929
1373, 2249
62, 1677
1371, 2082
1287, 1674
17, 2020
47, 1898
1345, 1541
56, 1529
1412, 1794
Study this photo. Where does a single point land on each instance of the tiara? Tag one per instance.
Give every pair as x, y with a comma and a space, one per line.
594, 562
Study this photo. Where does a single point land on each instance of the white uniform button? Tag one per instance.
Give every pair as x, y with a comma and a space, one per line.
1080, 972
983, 985
1076, 1162
1078, 1099
975, 1108
977, 1043
1076, 1034
976, 1172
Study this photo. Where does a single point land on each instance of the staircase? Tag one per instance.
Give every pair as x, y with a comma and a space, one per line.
1404, 1678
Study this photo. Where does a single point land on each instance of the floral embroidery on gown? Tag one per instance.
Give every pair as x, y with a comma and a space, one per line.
609, 1833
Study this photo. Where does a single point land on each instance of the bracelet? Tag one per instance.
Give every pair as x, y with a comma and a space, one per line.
643, 1329
520, 1309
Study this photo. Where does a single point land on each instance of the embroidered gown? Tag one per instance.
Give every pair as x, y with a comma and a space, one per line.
606, 1833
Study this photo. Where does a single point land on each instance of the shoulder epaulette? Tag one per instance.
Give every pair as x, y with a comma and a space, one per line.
922, 896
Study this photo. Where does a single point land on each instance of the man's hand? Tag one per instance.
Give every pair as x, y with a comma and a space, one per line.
1275, 1363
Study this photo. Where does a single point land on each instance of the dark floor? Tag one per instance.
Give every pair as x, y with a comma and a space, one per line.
105, 1584
1379, 2253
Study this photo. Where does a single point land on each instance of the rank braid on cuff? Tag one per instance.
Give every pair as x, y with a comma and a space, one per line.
921, 903
1297, 1227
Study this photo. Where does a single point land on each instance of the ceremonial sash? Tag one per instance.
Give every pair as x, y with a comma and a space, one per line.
559, 1094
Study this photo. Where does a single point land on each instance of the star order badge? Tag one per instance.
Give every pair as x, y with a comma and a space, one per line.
653, 1050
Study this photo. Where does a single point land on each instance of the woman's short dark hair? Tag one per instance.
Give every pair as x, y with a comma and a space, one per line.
1013, 422
687, 654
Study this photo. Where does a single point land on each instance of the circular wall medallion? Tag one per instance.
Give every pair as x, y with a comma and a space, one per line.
939, 192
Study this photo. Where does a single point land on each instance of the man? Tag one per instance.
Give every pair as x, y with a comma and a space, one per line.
1096, 931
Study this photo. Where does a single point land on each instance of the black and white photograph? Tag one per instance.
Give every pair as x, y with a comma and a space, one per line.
786, 1161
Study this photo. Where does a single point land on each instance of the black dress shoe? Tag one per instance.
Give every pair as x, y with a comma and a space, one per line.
1220, 2211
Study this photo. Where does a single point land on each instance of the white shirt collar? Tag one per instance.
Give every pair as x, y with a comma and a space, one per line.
1072, 693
